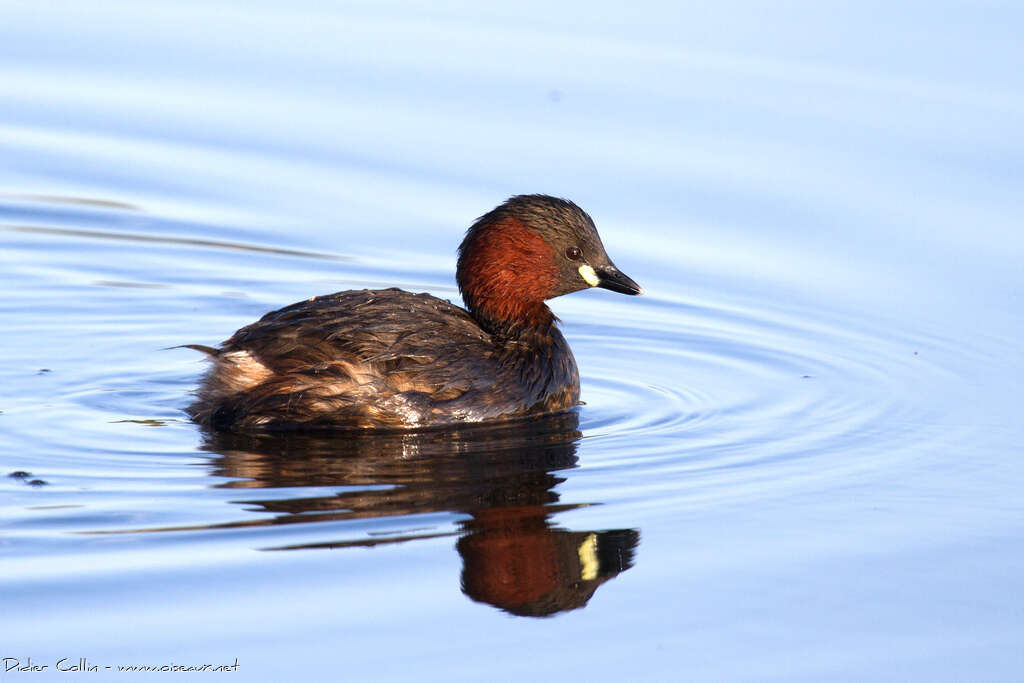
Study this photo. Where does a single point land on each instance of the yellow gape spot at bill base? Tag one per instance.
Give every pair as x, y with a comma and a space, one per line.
588, 274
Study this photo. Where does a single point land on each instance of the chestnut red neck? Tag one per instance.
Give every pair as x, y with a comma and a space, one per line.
505, 272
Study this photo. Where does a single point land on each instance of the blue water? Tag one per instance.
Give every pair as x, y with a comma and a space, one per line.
799, 458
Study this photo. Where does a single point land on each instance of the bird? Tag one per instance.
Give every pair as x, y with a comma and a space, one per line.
388, 359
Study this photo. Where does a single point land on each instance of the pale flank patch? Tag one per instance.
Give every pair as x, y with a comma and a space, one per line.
588, 274
238, 371
588, 556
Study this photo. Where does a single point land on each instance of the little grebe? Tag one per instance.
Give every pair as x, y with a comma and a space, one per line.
392, 359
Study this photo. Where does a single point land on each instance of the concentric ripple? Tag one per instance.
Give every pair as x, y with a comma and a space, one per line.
751, 400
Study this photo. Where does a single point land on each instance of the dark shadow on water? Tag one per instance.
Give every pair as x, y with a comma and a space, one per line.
503, 477
171, 240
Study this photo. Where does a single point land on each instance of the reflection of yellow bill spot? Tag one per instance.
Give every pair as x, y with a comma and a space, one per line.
588, 553
588, 274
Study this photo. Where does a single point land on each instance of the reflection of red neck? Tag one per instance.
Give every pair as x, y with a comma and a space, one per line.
506, 271
512, 557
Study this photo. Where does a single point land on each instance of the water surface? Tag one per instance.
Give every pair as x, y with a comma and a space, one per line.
798, 458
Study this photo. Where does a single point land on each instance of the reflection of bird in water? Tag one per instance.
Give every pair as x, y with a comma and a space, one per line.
502, 476
515, 559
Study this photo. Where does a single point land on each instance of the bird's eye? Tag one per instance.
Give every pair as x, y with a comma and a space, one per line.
573, 253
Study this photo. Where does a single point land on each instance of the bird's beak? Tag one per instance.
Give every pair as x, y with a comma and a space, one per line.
610, 277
